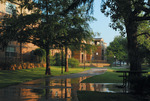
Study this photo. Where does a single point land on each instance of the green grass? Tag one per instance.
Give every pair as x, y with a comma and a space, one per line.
14, 77
109, 77
98, 96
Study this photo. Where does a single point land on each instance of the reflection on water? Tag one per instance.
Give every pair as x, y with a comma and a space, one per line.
52, 90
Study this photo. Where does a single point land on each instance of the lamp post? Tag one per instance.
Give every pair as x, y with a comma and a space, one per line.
97, 59
115, 60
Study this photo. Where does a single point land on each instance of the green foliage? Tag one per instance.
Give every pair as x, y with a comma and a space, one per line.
72, 62
110, 57
58, 59
144, 40
49, 28
52, 60
126, 16
143, 34
41, 54
118, 48
74, 4
148, 59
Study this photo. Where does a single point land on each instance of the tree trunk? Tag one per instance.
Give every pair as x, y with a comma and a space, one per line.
20, 52
48, 71
133, 50
66, 59
62, 60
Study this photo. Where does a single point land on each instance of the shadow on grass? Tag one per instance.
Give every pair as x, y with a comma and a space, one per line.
98, 96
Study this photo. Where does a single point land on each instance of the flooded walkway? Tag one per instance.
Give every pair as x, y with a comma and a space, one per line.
59, 88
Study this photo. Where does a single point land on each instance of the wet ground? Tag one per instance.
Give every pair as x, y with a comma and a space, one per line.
60, 88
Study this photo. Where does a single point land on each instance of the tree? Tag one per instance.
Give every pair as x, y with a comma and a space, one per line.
40, 54
144, 40
110, 57
45, 34
75, 29
57, 58
119, 48
56, 30
126, 16
15, 25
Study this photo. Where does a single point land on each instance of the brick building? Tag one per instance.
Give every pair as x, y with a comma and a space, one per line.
97, 56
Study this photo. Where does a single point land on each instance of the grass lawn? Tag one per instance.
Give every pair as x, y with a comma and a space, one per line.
98, 96
18, 76
109, 77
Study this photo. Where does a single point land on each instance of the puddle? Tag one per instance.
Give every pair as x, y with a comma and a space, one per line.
53, 90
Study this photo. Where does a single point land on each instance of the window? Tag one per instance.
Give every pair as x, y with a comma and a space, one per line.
10, 52
10, 7
10, 49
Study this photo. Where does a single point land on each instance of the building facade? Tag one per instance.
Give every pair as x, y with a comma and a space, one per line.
97, 56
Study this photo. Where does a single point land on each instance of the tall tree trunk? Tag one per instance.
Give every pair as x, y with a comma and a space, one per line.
66, 59
48, 71
20, 52
62, 60
133, 50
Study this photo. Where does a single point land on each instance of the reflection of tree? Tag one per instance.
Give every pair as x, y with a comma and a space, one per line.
74, 88
61, 89
47, 83
66, 89
38, 91
88, 87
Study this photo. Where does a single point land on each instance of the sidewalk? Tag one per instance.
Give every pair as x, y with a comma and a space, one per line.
91, 72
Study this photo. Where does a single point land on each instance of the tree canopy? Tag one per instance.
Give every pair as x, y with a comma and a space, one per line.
119, 48
46, 26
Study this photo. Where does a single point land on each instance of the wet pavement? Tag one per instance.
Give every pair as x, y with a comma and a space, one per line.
60, 88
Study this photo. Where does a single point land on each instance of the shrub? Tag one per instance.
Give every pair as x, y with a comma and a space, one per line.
13, 67
72, 62
24, 66
43, 65
52, 61
40, 54
5, 66
57, 59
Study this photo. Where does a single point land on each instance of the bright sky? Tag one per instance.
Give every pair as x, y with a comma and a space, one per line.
102, 24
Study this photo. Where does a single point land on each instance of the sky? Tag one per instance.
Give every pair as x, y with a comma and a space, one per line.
102, 24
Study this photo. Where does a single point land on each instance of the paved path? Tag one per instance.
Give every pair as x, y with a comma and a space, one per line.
91, 72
